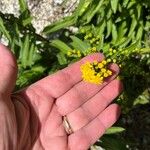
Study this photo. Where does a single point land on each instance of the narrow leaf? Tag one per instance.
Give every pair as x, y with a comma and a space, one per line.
94, 10
25, 51
27, 21
60, 45
68, 21
114, 33
61, 58
114, 130
31, 54
133, 25
23, 5
101, 27
4, 30
131, 47
82, 7
79, 44
114, 4
109, 27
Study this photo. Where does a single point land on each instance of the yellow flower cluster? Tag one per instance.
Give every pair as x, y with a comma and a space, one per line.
112, 56
74, 53
91, 50
94, 40
95, 72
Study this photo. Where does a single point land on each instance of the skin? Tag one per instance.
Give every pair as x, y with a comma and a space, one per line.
32, 117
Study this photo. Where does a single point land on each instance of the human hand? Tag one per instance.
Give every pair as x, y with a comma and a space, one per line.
33, 117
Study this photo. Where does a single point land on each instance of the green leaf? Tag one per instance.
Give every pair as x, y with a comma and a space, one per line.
60, 45
144, 50
101, 27
142, 99
25, 51
68, 21
61, 58
27, 21
120, 9
114, 4
82, 7
147, 26
125, 42
139, 33
4, 30
106, 47
109, 13
139, 9
133, 25
31, 54
93, 10
125, 3
114, 130
12, 45
131, 47
114, 33
23, 5
109, 27
131, 4
121, 41
29, 76
121, 33
79, 44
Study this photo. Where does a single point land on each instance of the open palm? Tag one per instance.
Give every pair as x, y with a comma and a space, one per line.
33, 117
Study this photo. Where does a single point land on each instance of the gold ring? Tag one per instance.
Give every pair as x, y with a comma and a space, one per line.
67, 125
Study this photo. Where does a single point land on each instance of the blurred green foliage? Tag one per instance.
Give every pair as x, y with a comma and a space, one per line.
118, 28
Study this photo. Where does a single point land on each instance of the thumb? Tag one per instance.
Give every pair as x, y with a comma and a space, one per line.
8, 70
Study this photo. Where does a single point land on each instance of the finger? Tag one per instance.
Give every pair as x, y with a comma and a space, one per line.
81, 92
60, 82
89, 110
8, 69
88, 135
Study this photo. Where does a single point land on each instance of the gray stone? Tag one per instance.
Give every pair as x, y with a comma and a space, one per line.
44, 12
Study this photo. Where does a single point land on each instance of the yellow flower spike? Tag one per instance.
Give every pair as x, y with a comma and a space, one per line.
100, 65
93, 75
104, 62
